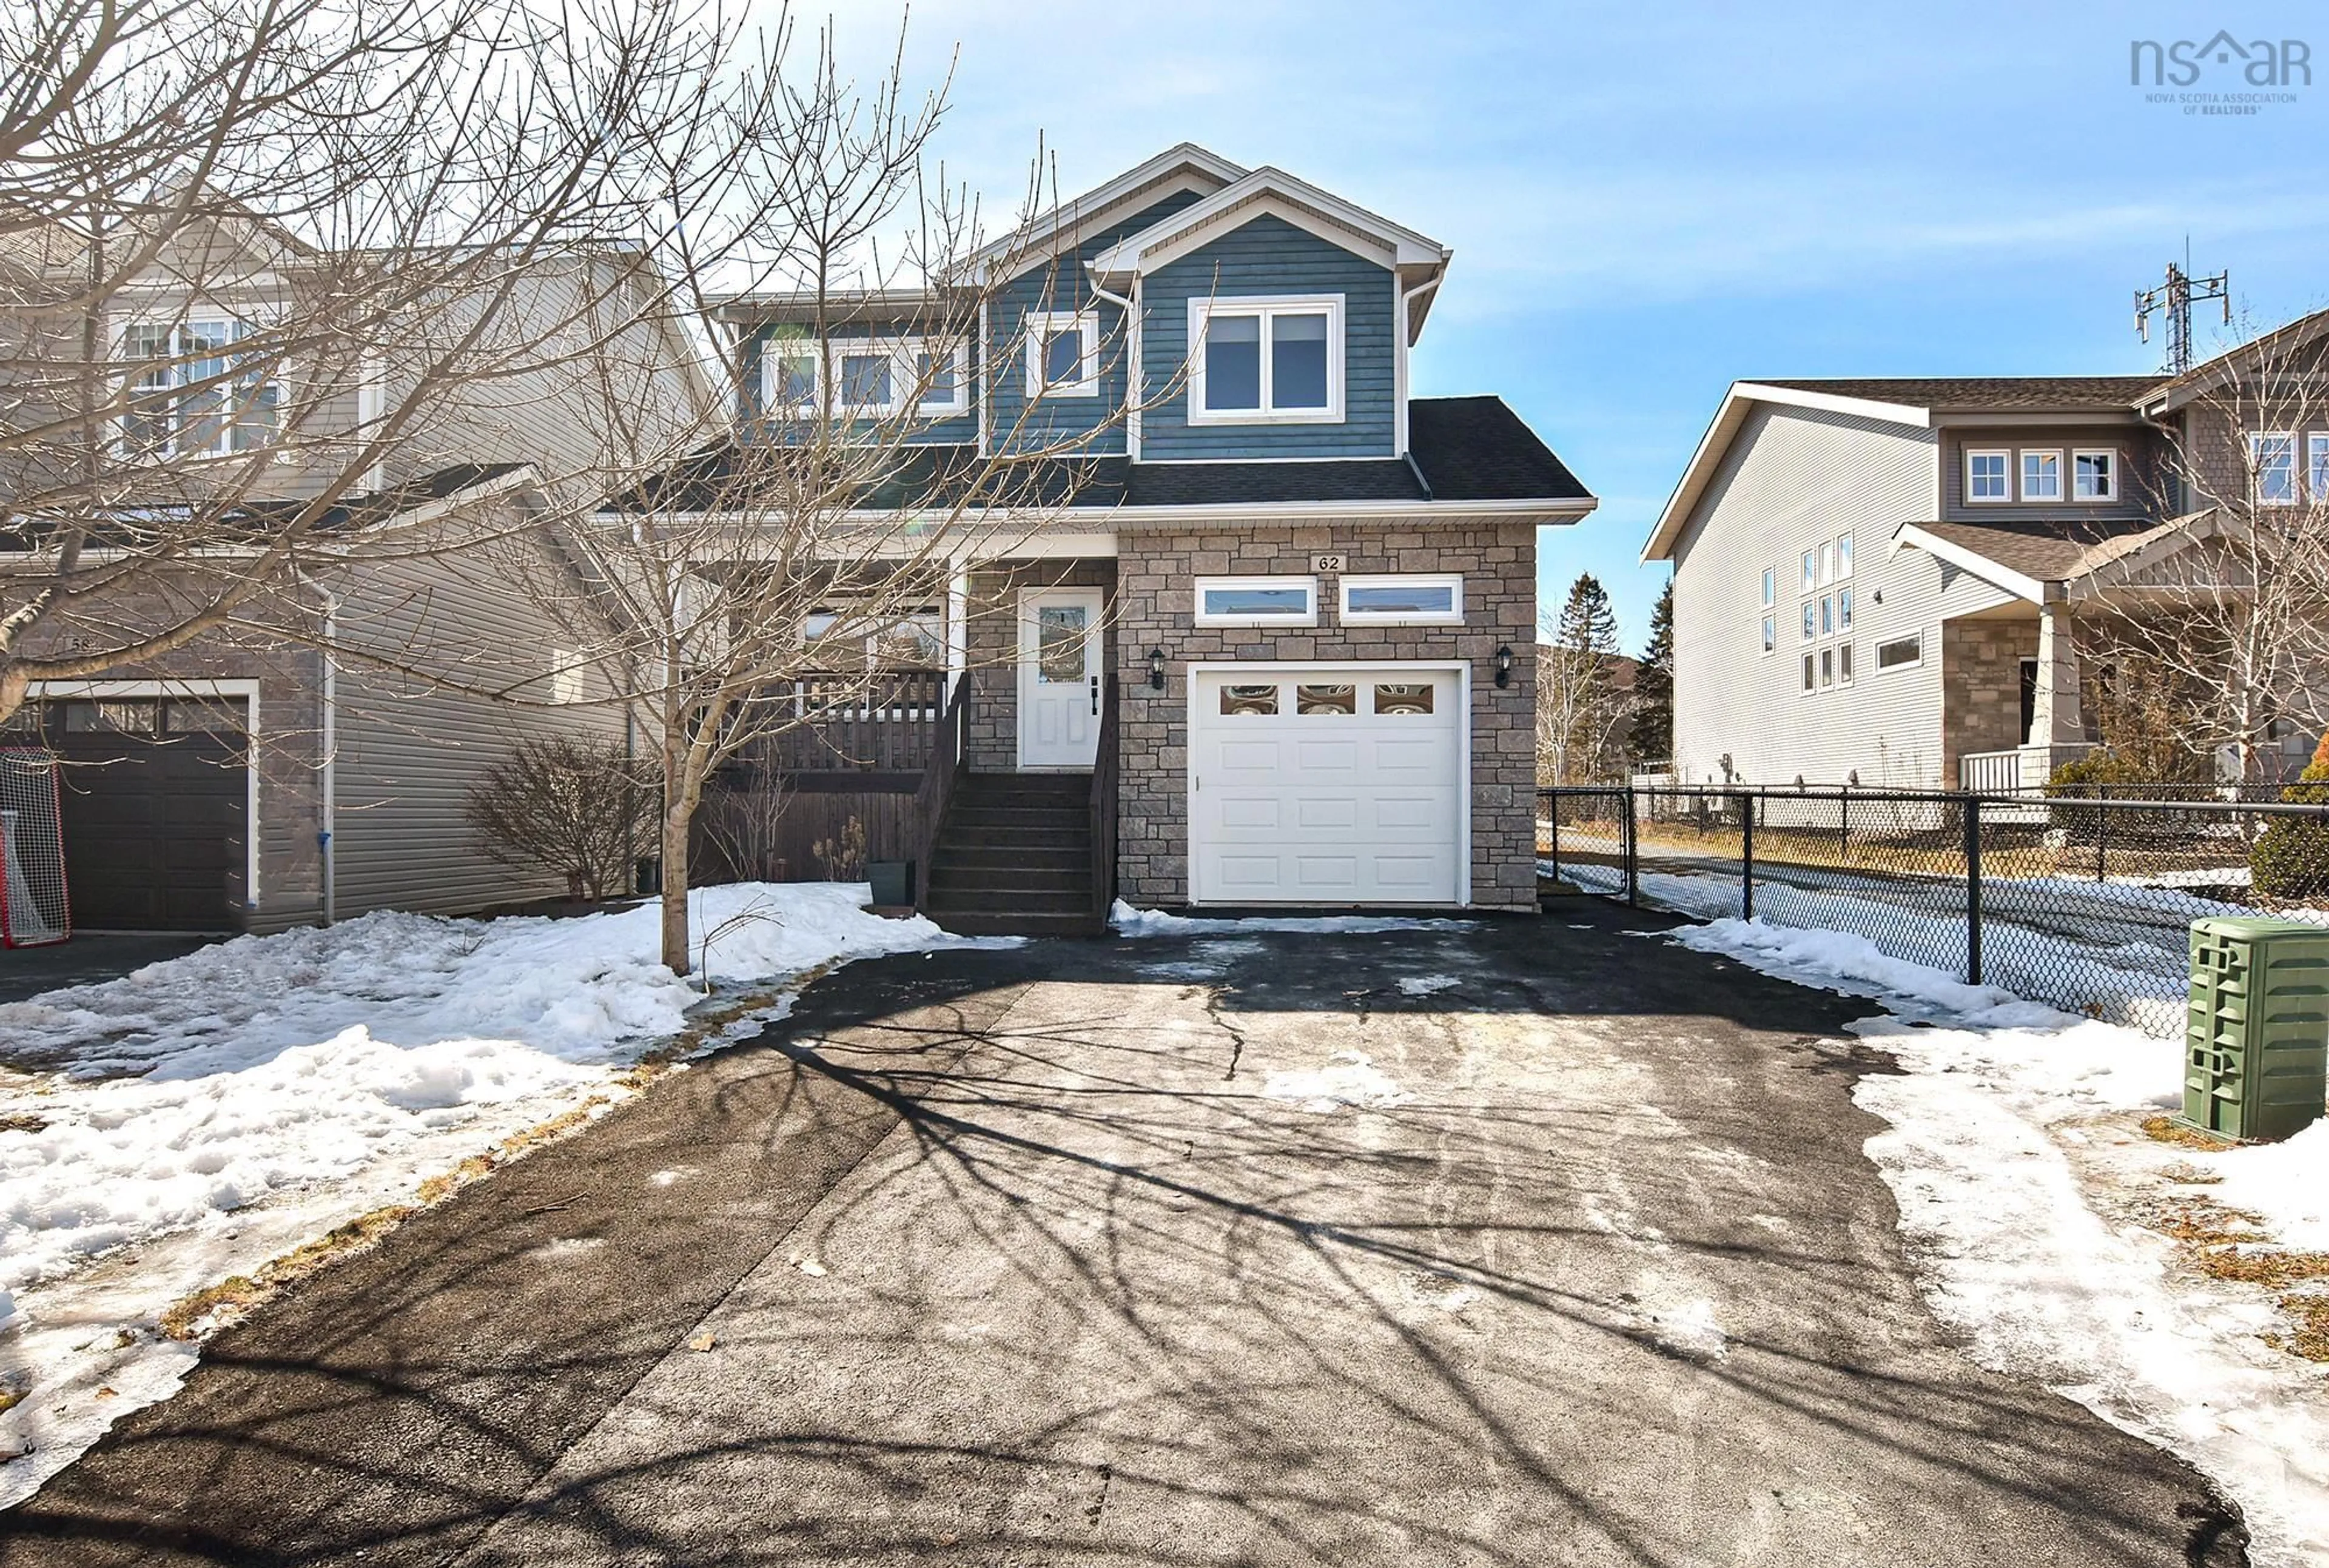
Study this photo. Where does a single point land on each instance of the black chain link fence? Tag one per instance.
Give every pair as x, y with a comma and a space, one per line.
2082, 902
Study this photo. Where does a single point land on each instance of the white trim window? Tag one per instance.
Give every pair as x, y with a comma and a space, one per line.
1266, 359
1811, 570
1062, 353
1826, 562
190, 395
845, 638
2042, 476
1404, 599
1770, 586
1900, 652
2094, 473
1827, 614
1811, 619
1844, 609
1256, 601
1842, 555
1827, 668
876, 375
1988, 476
2316, 465
1844, 663
2273, 459
1810, 683
1770, 633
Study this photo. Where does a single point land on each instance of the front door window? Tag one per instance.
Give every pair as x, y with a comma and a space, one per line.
1059, 643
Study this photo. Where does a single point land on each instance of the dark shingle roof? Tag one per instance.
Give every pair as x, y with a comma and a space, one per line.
2016, 394
1464, 449
1479, 449
2050, 550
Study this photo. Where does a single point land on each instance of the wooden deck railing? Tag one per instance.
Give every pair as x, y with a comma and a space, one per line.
1105, 770
940, 769
853, 723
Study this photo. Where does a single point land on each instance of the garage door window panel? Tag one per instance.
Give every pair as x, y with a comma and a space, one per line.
1402, 700
1250, 702
1325, 700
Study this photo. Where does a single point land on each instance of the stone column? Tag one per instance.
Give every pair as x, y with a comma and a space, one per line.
2055, 719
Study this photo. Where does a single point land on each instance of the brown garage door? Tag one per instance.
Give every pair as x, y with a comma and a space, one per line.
153, 797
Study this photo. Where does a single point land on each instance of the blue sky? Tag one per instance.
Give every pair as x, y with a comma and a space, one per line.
1646, 203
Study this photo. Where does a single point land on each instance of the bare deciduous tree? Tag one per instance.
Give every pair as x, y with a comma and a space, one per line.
2222, 614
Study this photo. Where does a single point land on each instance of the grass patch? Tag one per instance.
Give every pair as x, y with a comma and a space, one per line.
2182, 1135
216, 1307
2230, 1244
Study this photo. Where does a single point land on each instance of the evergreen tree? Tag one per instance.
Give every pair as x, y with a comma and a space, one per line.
1580, 710
1652, 736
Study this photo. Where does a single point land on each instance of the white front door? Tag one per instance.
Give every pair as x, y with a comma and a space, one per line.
1337, 785
1059, 677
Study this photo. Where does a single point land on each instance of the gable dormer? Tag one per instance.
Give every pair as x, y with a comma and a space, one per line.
1275, 321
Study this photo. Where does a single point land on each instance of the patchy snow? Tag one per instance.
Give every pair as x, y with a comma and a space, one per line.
1686, 1328
1348, 1078
201, 1115
1426, 984
2013, 1155
1128, 921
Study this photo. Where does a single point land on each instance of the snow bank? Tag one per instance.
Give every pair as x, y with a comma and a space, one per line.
215, 1110
2002, 1133
1128, 921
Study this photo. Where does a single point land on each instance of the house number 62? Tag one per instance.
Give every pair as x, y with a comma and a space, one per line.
1326, 563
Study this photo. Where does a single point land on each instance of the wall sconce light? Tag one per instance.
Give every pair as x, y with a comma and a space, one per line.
1503, 664
1156, 669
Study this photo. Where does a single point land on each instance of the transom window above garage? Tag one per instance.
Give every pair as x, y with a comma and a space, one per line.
1257, 601
1418, 599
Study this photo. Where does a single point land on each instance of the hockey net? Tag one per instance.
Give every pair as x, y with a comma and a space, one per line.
31, 851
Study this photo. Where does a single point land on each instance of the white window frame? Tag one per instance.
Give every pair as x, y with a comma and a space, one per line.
1037, 326
1843, 553
2288, 438
1771, 588
2022, 471
2003, 452
1268, 308
1844, 663
1201, 586
905, 375
232, 329
2316, 465
1843, 607
1827, 668
1811, 570
1771, 630
1451, 580
2108, 493
1916, 636
848, 618
1810, 620
1810, 668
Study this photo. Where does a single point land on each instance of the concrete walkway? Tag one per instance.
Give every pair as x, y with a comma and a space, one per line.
1016, 1258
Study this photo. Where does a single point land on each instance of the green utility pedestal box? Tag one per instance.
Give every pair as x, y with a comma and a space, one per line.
2259, 1032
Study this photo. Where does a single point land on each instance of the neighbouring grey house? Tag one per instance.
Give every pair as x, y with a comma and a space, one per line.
1276, 646
255, 782
1884, 581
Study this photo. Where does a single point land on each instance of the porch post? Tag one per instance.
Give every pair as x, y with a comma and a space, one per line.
2055, 721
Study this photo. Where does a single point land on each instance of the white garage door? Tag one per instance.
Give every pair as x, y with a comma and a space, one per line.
1329, 785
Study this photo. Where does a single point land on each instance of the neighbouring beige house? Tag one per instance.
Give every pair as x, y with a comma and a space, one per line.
1881, 581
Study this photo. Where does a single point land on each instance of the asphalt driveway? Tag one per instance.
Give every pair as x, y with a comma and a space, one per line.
1044, 1257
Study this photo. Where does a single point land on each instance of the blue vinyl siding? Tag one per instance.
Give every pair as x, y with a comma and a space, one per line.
1062, 288
955, 427
1267, 256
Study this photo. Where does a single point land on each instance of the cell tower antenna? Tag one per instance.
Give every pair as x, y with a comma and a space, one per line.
2173, 300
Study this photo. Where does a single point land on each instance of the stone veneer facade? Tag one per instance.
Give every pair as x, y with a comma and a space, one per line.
1155, 572
1981, 686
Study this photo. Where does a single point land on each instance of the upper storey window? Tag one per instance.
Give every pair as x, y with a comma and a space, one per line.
192, 394
1271, 359
1063, 354
872, 377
